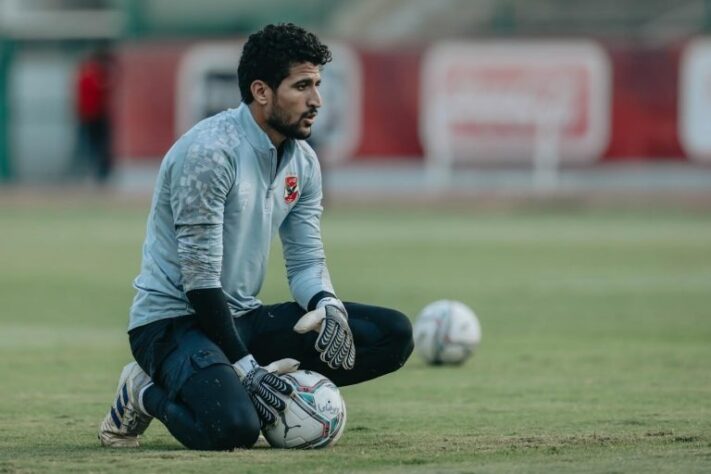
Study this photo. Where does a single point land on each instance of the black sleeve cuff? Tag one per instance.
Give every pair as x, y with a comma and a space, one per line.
318, 297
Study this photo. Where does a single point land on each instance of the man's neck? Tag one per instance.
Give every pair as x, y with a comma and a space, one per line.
275, 137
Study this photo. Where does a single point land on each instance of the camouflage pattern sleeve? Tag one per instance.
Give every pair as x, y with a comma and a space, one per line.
198, 191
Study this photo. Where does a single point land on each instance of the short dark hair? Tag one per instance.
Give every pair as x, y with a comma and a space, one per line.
269, 54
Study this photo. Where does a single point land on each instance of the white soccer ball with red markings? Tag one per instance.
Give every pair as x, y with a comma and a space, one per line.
315, 413
446, 332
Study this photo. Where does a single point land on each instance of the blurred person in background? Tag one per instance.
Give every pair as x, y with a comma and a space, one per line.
93, 89
208, 352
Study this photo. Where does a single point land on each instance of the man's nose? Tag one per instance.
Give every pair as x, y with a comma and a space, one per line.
315, 99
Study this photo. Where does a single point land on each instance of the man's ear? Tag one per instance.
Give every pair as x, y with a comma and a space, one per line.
261, 92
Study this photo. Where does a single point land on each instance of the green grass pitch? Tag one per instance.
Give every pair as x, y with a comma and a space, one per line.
596, 352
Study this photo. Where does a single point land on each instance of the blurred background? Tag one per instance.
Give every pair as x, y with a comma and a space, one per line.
424, 99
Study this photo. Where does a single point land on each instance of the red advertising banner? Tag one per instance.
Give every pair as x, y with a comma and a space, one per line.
643, 112
484, 102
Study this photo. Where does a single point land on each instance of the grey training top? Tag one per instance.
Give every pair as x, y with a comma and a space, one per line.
218, 202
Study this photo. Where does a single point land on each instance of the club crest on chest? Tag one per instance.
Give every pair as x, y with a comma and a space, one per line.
291, 189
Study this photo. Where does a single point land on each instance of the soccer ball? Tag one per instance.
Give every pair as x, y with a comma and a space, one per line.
315, 413
446, 332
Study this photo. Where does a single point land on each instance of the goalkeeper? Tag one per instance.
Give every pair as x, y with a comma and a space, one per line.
208, 352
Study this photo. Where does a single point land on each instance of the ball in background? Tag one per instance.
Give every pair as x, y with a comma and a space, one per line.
315, 414
446, 332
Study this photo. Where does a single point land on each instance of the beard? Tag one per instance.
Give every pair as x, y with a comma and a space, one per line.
279, 121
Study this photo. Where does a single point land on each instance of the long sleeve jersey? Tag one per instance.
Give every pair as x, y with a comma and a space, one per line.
218, 202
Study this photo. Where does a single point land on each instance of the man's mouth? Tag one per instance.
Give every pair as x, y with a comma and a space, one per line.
309, 118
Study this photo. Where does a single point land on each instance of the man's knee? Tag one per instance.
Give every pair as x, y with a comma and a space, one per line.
238, 428
396, 343
401, 337
223, 410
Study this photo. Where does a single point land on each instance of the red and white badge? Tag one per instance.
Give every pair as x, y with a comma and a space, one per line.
291, 189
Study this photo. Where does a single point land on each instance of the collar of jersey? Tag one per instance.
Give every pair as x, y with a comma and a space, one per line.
254, 133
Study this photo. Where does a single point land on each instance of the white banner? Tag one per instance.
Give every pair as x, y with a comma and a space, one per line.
207, 84
493, 101
695, 100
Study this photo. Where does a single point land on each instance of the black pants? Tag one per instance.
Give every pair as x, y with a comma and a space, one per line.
197, 393
94, 150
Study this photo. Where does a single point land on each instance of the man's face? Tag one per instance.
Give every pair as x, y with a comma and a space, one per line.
296, 102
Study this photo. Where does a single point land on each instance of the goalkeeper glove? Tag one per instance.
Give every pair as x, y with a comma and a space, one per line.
335, 340
264, 385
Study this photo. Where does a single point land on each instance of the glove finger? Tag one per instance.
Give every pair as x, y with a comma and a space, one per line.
278, 384
328, 360
335, 352
270, 398
339, 336
266, 417
337, 362
328, 355
327, 334
342, 355
310, 321
333, 357
283, 366
337, 345
324, 358
320, 346
331, 333
350, 359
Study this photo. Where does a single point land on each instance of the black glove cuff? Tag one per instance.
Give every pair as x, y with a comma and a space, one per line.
318, 297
